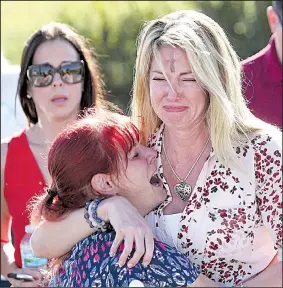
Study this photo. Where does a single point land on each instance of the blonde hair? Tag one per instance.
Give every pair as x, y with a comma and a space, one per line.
217, 69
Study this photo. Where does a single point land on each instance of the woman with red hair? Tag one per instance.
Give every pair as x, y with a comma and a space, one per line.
96, 158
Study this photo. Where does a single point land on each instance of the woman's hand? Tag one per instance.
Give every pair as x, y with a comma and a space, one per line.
20, 283
131, 227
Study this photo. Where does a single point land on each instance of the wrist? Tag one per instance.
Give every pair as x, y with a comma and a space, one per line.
8, 263
107, 205
102, 210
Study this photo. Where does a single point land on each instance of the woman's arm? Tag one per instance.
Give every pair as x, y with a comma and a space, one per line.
7, 249
270, 277
53, 239
8, 264
203, 281
268, 163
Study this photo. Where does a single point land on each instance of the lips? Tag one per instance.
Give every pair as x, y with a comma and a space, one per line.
59, 98
175, 108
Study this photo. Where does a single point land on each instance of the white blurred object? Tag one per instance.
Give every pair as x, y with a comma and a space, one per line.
136, 283
10, 123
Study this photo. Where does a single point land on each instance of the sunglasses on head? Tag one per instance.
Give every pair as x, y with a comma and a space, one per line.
42, 75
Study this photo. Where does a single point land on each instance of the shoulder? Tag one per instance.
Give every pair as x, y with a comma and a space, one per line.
267, 153
5, 144
14, 137
98, 242
4, 150
91, 255
168, 260
267, 141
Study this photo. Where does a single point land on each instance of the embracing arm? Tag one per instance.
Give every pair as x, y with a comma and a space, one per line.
268, 163
204, 281
53, 239
270, 277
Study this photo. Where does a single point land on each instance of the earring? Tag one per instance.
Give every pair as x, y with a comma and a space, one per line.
28, 96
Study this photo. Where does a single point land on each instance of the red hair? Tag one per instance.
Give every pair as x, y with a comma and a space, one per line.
97, 143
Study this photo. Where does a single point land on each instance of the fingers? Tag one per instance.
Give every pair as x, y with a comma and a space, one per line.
149, 244
144, 245
34, 273
29, 284
21, 283
128, 247
140, 248
116, 243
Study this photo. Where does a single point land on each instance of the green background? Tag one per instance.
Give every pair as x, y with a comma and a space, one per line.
114, 25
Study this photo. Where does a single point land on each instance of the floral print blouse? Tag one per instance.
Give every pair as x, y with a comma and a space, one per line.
90, 265
231, 228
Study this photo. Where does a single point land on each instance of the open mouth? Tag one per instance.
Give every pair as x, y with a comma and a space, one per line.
155, 181
59, 99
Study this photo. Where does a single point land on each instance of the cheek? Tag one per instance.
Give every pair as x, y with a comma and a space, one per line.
136, 172
40, 95
76, 90
197, 95
157, 93
202, 102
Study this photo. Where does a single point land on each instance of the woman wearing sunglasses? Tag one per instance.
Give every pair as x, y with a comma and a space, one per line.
58, 79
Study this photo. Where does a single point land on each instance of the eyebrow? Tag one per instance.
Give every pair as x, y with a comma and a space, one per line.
181, 74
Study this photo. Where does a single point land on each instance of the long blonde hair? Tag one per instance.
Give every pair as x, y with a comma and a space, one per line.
216, 67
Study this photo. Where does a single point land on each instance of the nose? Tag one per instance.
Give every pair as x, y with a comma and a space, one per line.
57, 81
149, 154
173, 94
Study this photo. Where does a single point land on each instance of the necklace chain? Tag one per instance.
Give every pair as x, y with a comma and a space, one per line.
193, 166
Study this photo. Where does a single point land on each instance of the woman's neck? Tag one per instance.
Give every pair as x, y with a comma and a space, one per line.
48, 130
182, 145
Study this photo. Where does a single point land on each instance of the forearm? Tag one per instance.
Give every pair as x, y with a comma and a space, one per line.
53, 239
270, 277
8, 264
203, 281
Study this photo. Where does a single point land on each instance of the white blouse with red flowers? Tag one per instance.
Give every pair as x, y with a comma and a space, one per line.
231, 228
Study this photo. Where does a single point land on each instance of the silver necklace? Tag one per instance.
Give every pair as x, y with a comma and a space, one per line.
182, 189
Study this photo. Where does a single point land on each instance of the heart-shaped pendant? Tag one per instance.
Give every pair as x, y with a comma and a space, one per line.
183, 190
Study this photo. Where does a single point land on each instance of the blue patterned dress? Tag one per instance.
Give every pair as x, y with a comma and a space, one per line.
89, 265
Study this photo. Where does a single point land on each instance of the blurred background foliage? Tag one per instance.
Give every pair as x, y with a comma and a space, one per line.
113, 27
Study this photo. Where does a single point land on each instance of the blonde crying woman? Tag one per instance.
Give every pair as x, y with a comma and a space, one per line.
220, 165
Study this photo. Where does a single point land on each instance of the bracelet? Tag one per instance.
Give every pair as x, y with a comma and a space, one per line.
90, 214
96, 221
86, 214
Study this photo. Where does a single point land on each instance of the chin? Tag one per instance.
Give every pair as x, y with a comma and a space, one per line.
65, 115
176, 120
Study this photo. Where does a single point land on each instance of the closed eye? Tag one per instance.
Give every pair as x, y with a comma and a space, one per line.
189, 80
159, 79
